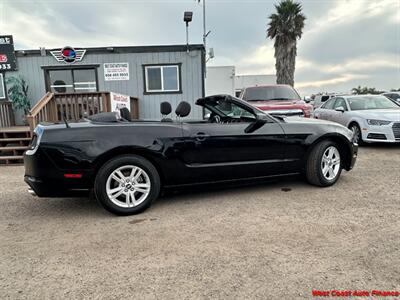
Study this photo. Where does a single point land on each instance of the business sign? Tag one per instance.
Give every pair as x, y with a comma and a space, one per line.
8, 61
119, 101
116, 71
68, 55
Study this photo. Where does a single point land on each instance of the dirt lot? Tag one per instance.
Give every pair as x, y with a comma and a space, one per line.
269, 241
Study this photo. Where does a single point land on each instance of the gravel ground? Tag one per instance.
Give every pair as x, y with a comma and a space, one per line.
275, 240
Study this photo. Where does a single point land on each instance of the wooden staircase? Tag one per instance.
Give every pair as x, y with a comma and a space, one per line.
13, 143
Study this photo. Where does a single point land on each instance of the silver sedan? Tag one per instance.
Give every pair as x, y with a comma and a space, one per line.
372, 118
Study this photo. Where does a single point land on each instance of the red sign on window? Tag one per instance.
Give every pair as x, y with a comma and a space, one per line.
3, 58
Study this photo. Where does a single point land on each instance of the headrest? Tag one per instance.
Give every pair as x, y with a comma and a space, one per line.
183, 109
165, 108
125, 114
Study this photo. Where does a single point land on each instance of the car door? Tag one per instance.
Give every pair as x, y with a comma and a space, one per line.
224, 151
336, 115
326, 110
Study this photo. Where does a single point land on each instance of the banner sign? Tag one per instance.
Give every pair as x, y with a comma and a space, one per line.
116, 71
8, 61
119, 101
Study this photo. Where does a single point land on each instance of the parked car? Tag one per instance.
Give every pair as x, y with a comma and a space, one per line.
127, 162
277, 100
395, 96
372, 118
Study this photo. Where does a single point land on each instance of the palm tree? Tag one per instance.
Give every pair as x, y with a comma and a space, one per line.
286, 26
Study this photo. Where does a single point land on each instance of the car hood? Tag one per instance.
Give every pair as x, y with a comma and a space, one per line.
379, 114
277, 104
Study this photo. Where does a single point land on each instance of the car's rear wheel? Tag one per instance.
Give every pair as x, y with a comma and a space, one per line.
357, 133
127, 185
324, 164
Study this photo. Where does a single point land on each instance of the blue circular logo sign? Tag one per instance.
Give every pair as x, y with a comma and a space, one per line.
68, 54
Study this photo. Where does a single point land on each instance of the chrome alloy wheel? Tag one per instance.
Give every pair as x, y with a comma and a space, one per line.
330, 163
128, 186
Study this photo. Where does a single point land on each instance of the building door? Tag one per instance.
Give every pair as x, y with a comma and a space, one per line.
76, 80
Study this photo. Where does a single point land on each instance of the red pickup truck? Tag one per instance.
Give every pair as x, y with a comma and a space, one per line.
277, 99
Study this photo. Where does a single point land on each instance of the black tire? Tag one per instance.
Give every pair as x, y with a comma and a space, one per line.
314, 171
126, 160
356, 128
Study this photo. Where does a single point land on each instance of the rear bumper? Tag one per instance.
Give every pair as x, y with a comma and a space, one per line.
47, 180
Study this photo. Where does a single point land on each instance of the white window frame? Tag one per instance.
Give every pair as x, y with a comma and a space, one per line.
3, 86
161, 67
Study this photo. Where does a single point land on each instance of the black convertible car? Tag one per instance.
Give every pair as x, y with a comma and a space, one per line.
127, 162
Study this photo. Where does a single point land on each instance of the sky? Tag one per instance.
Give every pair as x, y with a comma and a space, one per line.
345, 43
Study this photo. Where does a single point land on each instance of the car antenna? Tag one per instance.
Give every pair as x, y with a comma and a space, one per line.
64, 116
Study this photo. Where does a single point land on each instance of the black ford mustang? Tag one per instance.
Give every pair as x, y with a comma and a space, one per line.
127, 163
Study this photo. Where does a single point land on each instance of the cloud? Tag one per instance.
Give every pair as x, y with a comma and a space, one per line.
345, 42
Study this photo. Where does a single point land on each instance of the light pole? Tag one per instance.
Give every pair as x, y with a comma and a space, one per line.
187, 18
205, 33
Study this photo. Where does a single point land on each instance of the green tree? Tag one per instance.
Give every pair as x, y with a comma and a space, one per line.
17, 90
365, 90
286, 26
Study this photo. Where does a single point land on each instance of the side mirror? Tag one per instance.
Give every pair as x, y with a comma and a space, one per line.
340, 108
260, 120
307, 99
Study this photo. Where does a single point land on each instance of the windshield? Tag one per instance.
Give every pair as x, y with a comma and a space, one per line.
270, 93
228, 109
371, 102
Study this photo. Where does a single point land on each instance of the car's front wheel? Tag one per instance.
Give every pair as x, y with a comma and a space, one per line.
357, 133
127, 185
324, 164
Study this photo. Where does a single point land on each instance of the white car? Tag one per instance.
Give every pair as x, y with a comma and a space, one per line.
372, 118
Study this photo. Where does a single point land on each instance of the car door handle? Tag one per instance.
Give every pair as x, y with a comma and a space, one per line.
200, 136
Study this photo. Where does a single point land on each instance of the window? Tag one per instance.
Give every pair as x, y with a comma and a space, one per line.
228, 109
72, 80
340, 103
371, 102
270, 93
162, 79
324, 98
2, 88
329, 104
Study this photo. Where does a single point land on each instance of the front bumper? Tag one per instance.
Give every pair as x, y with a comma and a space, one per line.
381, 134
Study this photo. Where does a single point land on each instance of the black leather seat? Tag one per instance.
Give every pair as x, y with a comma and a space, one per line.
165, 109
125, 114
183, 109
